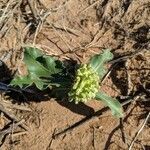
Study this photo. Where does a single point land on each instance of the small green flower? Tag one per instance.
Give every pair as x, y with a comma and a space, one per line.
85, 86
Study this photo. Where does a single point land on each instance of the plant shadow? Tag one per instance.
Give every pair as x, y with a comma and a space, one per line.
32, 94
5, 73
119, 78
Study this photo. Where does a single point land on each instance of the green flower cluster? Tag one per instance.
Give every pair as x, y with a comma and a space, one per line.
85, 86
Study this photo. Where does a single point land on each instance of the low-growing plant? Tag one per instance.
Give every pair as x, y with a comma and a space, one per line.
47, 72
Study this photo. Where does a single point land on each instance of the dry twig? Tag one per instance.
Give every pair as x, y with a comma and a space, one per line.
63, 39
137, 134
12, 117
123, 58
19, 133
32, 8
8, 104
87, 8
3, 133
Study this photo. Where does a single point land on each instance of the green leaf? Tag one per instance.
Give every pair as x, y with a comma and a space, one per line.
34, 52
38, 64
50, 63
97, 62
112, 103
39, 68
25, 81
22, 80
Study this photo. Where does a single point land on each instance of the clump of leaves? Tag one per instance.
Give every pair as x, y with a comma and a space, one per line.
40, 70
47, 72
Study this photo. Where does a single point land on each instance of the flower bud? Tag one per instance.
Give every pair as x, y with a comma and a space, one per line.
85, 86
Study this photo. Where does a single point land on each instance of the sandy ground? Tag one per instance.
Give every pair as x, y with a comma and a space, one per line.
78, 29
